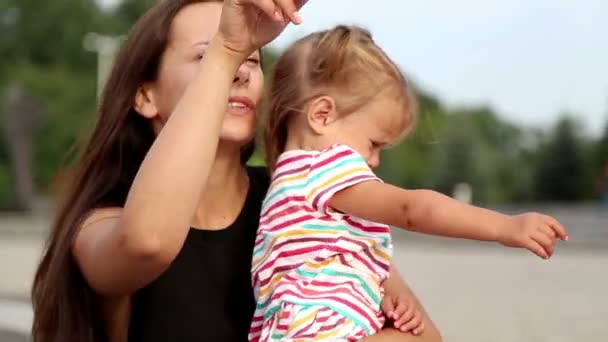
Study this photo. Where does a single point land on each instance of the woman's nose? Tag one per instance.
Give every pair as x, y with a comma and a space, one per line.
242, 75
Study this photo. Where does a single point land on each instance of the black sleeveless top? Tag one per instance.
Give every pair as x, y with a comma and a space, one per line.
206, 294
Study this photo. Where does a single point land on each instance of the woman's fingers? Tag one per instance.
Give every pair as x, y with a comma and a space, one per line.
268, 7
288, 8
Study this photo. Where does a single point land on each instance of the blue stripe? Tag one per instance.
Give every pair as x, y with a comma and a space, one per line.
348, 315
313, 226
281, 191
330, 168
334, 273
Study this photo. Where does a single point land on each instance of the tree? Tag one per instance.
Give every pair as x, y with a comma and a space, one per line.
410, 164
23, 115
43, 48
127, 13
561, 173
602, 148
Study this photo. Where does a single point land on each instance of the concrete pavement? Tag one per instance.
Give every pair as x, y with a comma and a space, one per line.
474, 291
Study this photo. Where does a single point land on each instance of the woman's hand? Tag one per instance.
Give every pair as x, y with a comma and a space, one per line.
247, 25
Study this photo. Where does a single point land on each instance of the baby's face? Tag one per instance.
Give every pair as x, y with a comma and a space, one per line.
373, 128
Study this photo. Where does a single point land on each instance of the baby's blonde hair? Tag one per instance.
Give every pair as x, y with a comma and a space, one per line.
344, 63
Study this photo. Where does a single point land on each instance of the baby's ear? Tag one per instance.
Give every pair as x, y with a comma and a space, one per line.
321, 113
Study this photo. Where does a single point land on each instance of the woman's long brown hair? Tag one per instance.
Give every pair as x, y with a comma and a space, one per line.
65, 308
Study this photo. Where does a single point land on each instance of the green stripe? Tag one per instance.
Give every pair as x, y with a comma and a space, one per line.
282, 190
313, 226
348, 315
330, 168
334, 273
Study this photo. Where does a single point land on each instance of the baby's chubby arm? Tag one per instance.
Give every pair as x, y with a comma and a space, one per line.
430, 212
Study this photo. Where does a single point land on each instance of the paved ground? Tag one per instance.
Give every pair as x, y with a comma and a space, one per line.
474, 292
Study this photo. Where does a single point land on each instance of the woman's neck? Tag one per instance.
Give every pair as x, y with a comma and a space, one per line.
225, 192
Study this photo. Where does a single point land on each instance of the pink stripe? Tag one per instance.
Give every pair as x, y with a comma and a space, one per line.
291, 160
288, 172
330, 287
305, 328
288, 223
343, 260
303, 333
379, 263
330, 159
357, 179
334, 326
298, 207
291, 253
335, 299
363, 261
370, 228
282, 202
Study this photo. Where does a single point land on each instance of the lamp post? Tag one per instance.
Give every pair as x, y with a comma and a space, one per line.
106, 48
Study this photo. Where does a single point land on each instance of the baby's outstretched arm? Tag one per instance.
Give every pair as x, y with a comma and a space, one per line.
430, 212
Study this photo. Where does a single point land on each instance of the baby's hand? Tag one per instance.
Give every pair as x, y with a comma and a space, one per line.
535, 232
404, 312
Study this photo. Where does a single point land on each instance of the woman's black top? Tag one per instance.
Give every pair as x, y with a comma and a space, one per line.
206, 294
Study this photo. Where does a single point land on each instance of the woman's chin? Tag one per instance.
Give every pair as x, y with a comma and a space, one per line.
236, 139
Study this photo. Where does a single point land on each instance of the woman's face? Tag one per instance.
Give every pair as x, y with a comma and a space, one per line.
192, 30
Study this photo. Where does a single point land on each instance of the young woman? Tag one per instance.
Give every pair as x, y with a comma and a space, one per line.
154, 239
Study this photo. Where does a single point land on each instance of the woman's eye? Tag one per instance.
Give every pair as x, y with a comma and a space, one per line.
253, 61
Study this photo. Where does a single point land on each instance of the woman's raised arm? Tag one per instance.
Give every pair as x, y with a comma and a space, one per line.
122, 250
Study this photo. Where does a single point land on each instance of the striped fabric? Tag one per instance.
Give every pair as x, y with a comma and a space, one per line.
316, 272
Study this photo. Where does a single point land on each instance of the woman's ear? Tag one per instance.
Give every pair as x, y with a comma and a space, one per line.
321, 113
145, 103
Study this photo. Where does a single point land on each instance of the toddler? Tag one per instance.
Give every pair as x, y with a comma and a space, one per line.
323, 248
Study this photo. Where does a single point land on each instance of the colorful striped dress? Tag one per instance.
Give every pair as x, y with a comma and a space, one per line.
317, 273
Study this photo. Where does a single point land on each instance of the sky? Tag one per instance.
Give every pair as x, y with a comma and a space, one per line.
528, 59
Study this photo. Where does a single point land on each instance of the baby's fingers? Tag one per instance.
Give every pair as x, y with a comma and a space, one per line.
545, 241
536, 248
388, 306
413, 324
557, 228
419, 330
403, 314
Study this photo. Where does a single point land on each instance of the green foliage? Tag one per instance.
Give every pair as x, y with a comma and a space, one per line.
129, 11
601, 150
562, 172
41, 47
6, 190
70, 104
